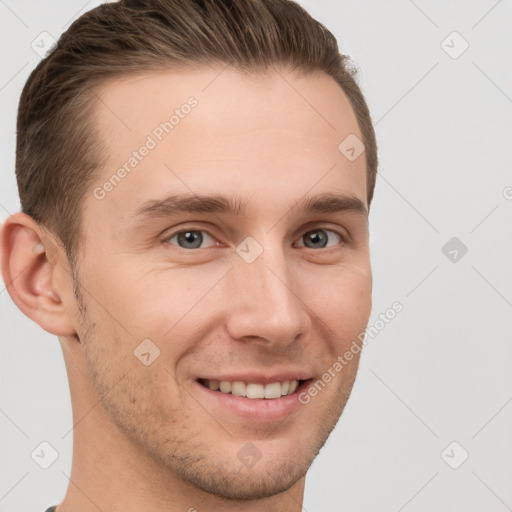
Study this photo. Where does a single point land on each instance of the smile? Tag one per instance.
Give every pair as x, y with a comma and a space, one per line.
253, 390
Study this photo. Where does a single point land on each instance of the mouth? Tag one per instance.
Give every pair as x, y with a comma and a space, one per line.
253, 402
253, 390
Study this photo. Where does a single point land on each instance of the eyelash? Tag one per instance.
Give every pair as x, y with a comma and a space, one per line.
343, 238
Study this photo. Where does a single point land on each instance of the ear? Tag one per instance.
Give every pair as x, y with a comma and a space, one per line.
36, 273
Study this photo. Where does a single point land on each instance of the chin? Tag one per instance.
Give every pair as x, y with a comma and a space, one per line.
245, 484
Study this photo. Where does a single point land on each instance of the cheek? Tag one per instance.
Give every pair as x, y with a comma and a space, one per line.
127, 374
144, 303
344, 304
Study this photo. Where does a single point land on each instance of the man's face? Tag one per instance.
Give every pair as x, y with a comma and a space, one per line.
281, 305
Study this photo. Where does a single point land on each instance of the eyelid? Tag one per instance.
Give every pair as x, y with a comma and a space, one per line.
335, 228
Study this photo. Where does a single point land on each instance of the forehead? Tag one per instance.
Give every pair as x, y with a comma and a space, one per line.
212, 129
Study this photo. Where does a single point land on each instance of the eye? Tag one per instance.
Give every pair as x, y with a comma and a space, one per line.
318, 238
189, 238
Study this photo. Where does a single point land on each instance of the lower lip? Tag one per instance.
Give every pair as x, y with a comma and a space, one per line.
259, 410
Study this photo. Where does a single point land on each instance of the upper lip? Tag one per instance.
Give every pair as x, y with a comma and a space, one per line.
260, 377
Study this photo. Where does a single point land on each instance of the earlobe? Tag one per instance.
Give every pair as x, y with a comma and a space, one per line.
30, 261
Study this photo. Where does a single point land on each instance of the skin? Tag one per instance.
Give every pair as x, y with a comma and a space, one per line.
143, 437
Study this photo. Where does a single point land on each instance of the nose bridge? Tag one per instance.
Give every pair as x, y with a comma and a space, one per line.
267, 302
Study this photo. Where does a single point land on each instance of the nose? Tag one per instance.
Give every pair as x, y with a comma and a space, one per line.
267, 303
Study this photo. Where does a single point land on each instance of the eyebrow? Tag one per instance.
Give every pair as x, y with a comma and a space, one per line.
231, 205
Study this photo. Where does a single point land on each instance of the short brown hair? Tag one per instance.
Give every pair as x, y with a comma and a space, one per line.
57, 153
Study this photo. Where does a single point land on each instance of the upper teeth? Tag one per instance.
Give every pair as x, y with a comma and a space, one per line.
253, 389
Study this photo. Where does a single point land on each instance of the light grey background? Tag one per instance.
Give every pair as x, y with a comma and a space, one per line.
440, 371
